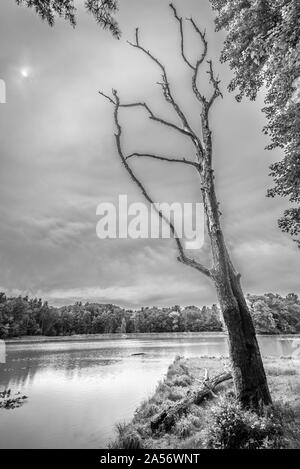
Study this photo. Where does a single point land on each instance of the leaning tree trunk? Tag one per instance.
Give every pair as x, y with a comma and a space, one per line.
253, 383
247, 367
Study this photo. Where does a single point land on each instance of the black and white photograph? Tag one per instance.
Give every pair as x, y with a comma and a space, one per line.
150, 228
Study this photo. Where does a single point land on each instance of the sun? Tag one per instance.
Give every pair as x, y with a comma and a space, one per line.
25, 72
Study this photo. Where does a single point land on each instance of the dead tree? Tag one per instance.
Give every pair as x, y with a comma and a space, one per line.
247, 368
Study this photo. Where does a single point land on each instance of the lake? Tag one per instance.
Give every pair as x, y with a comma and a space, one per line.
79, 389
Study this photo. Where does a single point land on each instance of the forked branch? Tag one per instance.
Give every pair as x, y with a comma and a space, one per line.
180, 21
215, 82
201, 59
207, 103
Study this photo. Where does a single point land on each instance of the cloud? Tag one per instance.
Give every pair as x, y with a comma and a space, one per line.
59, 161
128, 295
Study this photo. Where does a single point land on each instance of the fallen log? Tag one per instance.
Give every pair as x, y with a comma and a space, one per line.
168, 417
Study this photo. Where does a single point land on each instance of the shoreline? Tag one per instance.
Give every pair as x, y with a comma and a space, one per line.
115, 336
136, 335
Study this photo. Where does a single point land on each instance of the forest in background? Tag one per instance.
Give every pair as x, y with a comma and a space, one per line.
22, 316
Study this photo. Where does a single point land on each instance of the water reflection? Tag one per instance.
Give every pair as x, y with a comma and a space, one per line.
79, 390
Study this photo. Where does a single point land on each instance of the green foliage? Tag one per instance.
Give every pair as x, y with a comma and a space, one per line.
274, 314
290, 222
21, 316
232, 427
123, 326
262, 48
102, 10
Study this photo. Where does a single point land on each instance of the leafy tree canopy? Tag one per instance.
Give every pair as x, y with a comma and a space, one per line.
271, 313
102, 10
262, 48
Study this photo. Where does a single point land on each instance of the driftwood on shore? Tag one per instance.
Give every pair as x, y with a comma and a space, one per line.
165, 420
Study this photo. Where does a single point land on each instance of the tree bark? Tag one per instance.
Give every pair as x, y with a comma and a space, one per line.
252, 386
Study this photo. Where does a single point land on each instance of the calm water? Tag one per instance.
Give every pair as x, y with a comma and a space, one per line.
78, 391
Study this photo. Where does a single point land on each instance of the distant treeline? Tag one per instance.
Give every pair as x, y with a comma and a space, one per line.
21, 316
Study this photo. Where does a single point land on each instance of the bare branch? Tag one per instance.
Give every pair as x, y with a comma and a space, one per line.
179, 19
196, 67
215, 82
137, 45
107, 97
155, 118
195, 88
202, 35
182, 257
132, 175
163, 158
198, 31
195, 264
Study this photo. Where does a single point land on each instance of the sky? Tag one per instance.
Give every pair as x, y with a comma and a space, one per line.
59, 161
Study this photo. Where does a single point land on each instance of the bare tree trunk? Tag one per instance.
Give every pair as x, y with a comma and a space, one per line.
252, 386
247, 367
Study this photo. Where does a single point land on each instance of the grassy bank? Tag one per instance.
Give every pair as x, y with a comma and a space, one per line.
218, 422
